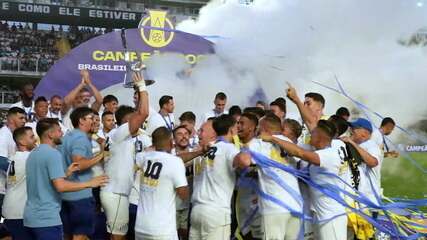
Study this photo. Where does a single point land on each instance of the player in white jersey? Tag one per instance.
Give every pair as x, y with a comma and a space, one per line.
277, 221
143, 141
220, 103
379, 137
162, 180
181, 136
370, 169
329, 214
164, 117
15, 119
108, 125
247, 199
16, 189
121, 166
214, 181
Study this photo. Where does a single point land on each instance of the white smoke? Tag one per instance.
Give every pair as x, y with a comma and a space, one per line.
270, 42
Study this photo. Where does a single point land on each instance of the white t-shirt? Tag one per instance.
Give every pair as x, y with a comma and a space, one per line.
16, 191
324, 206
272, 188
214, 178
7, 149
163, 174
120, 168
368, 175
213, 113
156, 120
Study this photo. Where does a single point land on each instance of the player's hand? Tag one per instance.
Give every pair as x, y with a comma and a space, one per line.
85, 77
395, 154
291, 93
392, 154
74, 167
347, 139
101, 142
137, 78
99, 181
243, 160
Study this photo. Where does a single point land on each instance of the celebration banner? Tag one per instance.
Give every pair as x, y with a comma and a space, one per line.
104, 56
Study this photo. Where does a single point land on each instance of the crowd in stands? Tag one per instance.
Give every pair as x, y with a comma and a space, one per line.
26, 49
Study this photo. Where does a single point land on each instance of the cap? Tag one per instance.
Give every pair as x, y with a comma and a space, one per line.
362, 123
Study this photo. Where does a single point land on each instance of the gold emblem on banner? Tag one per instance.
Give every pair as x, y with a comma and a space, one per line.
154, 37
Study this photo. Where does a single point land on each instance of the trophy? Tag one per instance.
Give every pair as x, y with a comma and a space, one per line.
133, 67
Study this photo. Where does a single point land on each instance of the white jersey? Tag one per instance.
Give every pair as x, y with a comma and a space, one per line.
370, 178
28, 110
105, 135
134, 193
120, 168
291, 196
212, 113
156, 120
247, 199
344, 172
162, 174
214, 178
7, 149
51, 114
331, 162
378, 138
183, 204
16, 190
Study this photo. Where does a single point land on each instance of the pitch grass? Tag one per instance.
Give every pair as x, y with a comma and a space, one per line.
401, 179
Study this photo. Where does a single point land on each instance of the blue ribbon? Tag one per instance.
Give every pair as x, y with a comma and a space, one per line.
334, 193
364, 109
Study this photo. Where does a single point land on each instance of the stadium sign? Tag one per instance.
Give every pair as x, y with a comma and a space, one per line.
104, 56
43, 13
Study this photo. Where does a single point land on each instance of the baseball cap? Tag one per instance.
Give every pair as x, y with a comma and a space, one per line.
362, 123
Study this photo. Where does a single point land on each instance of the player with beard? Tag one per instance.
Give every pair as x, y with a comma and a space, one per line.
126, 144
247, 199
45, 180
16, 189
182, 145
214, 182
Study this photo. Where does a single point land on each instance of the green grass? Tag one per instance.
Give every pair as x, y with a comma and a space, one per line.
401, 179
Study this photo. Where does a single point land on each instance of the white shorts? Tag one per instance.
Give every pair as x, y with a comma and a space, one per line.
143, 236
116, 208
336, 229
209, 224
281, 226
